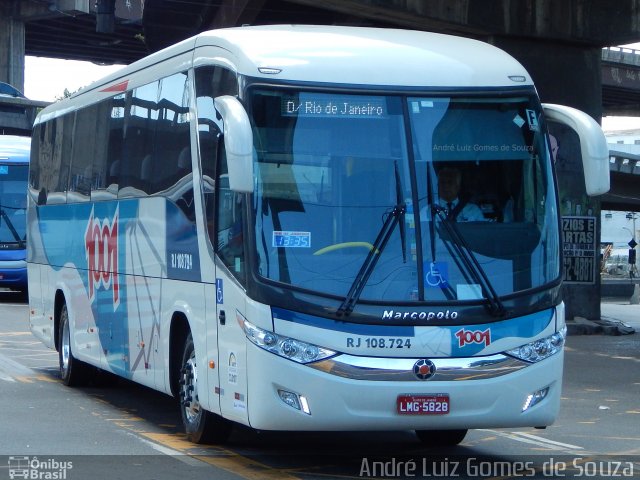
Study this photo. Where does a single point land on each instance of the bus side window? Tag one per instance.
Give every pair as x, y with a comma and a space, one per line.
53, 160
229, 236
224, 213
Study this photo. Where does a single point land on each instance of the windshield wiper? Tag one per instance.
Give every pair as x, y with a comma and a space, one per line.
464, 252
14, 232
400, 202
395, 216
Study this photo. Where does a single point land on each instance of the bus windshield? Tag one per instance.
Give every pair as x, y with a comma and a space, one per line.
13, 204
403, 198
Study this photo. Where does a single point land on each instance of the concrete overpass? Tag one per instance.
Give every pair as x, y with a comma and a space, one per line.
621, 81
624, 168
559, 42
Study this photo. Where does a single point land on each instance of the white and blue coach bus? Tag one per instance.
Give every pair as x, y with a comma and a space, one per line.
249, 221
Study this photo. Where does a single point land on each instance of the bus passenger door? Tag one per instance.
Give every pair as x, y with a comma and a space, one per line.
231, 305
226, 295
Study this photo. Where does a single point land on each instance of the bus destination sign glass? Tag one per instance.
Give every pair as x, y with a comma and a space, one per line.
330, 106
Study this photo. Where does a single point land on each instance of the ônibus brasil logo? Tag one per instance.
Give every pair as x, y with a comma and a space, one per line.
101, 248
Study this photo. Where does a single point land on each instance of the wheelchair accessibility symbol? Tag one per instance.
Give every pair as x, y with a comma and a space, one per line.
437, 274
219, 291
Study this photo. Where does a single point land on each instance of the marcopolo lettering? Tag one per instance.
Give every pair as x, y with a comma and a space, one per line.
419, 315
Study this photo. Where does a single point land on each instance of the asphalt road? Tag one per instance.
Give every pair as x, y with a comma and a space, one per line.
121, 430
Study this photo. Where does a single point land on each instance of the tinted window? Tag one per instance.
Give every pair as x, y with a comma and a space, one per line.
52, 156
226, 233
106, 167
138, 148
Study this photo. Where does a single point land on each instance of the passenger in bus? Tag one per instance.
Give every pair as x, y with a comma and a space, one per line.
456, 207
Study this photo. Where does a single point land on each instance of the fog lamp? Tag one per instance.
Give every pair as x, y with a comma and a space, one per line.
535, 398
299, 402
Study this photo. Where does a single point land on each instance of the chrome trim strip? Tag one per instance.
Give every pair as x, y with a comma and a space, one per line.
401, 369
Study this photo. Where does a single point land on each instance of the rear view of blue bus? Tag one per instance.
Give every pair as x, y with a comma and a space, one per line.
14, 170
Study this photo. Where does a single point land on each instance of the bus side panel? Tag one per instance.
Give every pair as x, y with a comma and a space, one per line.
57, 244
186, 299
211, 296
54, 268
182, 291
114, 317
85, 332
41, 325
232, 347
145, 266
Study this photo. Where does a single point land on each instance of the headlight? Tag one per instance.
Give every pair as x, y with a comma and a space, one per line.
285, 347
540, 349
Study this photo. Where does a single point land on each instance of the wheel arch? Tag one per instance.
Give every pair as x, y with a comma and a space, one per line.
178, 332
59, 301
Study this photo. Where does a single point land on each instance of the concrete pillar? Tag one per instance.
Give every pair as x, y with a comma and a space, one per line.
569, 75
11, 46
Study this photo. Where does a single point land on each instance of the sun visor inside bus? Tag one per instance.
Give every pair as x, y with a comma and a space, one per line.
480, 135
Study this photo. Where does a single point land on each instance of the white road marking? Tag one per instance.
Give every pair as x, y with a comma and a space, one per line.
188, 459
535, 440
10, 369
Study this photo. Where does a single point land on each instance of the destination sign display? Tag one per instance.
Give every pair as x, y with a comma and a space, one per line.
334, 106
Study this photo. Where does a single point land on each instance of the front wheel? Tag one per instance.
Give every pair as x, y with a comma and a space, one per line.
441, 438
72, 371
200, 425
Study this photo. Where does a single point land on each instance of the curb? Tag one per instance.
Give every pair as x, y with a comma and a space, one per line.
598, 327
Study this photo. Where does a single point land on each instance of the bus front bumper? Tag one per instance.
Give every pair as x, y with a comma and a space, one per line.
339, 395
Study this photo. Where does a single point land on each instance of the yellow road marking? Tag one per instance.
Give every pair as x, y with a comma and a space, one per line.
171, 440
223, 458
246, 468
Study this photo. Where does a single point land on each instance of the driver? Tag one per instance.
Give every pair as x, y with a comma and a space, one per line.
456, 207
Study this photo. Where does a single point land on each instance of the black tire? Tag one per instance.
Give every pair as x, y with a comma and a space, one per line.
441, 438
73, 372
200, 425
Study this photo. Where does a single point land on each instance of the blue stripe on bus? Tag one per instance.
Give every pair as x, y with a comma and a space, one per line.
524, 327
467, 340
354, 328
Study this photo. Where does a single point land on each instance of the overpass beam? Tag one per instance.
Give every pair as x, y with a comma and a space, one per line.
569, 74
236, 12
12, 38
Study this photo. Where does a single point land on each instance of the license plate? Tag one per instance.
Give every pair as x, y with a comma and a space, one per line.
437, 404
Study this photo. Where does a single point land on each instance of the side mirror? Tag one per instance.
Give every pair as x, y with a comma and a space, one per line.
238, 142
593, 145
